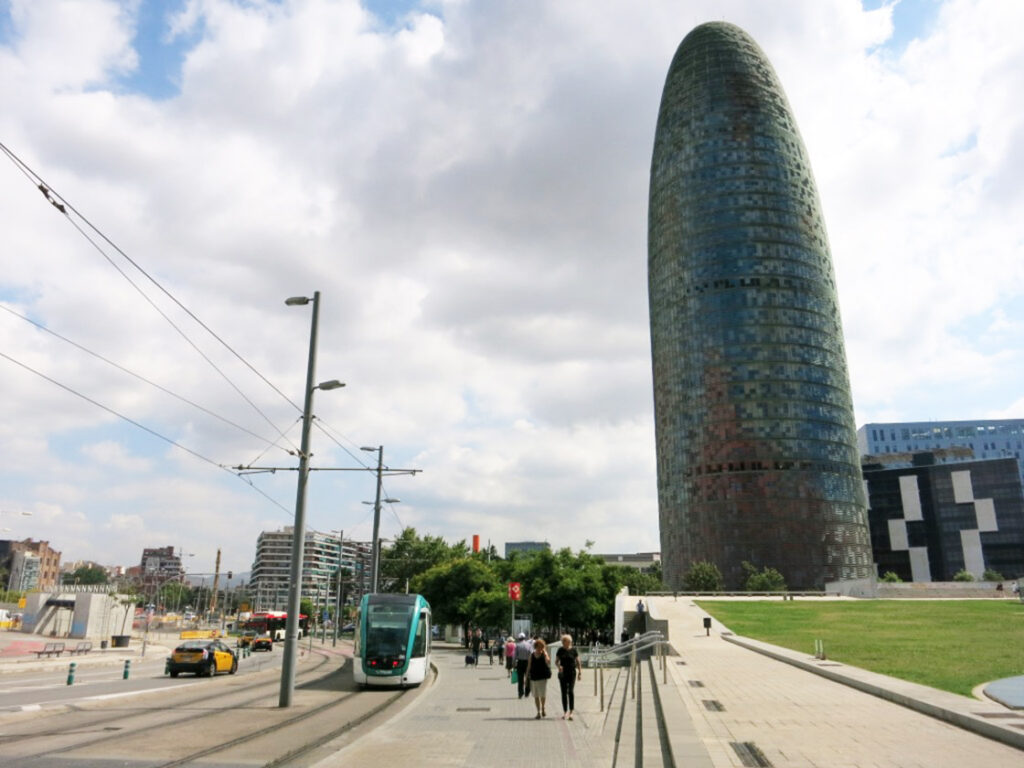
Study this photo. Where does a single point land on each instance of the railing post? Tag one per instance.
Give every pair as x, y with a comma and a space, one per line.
601, 670
632, 671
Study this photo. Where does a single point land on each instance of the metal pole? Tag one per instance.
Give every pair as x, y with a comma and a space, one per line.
337, 587
291, 632
375, 567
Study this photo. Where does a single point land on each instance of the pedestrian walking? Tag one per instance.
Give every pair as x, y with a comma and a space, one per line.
510, 655
569, 671
523, 650
477, 640
538, 669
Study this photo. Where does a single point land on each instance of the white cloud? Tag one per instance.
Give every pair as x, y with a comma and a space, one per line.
468, 190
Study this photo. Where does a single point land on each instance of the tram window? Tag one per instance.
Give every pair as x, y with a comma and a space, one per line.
419, 643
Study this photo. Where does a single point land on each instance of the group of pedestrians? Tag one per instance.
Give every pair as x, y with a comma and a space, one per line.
531, 662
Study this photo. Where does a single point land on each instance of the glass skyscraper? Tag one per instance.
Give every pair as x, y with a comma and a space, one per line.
756, 439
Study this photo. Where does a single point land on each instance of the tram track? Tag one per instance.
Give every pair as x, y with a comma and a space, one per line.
231, 700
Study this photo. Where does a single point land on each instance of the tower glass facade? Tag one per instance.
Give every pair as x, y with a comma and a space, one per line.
756, 439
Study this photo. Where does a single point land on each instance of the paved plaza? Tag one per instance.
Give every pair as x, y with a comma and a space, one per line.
727, 701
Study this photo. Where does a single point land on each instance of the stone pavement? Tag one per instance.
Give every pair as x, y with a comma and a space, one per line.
747, 706
471, 716
18, 651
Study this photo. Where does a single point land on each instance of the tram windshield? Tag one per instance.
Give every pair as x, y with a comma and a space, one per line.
387, 629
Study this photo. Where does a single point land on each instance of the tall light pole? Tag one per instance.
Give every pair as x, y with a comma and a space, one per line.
337, 587
291, 632
374, 556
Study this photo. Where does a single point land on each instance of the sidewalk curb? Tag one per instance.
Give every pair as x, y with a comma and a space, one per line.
883, 689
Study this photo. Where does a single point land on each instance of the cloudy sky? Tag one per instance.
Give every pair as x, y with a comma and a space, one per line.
465, 183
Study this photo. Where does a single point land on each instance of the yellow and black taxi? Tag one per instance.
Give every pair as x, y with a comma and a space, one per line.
263, 643
245, 639
204, 657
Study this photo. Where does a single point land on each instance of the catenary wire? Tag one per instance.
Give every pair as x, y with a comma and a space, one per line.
62, 205
140, 377
134, 423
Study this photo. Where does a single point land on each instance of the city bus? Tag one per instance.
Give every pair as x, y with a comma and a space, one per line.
273, 623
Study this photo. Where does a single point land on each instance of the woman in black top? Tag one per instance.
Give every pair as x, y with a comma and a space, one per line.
569, 671
538, 669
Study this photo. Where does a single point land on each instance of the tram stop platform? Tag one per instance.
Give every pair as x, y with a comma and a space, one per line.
472, 716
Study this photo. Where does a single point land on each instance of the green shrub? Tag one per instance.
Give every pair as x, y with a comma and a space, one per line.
963, 575
889, 577
991, 575
703, 577
765, 580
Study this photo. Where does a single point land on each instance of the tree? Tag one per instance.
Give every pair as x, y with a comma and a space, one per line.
703, 576
451, 589
765, 580
412, 555
175, 594
86, 574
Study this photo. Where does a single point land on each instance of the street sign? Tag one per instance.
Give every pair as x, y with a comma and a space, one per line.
515, 590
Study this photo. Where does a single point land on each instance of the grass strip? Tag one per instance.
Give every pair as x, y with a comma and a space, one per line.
952, 645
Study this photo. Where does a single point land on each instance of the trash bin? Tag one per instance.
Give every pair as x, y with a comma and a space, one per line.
103, 645
119, 641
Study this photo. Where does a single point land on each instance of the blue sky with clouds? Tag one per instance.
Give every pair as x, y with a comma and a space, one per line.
465, 182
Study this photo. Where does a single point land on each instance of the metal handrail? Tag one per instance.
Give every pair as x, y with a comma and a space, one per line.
620, 651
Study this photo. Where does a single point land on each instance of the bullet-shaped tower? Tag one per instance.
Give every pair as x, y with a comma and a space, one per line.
756, 439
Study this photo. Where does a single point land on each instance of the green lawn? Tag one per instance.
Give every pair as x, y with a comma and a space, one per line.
949, 644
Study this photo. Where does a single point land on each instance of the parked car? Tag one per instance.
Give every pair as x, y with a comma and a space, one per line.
263, 643
203, 657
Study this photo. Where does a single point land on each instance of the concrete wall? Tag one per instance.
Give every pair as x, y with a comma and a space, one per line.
947, 589
94, 615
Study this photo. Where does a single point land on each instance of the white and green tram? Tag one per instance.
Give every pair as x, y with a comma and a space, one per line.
392, 642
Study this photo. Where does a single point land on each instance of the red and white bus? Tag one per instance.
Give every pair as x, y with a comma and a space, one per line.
273, 623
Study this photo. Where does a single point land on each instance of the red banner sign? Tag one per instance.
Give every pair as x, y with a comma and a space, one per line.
515, 590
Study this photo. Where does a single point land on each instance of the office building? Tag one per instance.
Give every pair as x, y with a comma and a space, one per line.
982, 439
44, 572
756, 442
930, 520
322, 553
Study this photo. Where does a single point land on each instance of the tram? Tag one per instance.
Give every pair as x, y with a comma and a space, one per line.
392, 642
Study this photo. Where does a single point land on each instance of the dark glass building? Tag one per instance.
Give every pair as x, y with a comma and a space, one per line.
756, 439
929, 521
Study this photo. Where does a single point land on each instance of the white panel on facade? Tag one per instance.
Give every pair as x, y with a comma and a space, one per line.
974, 561
962, 491
985, 509
898, 535
910, 496
920, 569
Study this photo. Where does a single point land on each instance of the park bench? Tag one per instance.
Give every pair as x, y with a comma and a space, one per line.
83, 647
50, 649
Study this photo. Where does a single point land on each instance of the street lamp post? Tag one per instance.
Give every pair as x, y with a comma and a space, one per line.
291, 636
375, 543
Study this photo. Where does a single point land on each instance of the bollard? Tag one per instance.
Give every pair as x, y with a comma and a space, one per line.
167, 665
71, 673
601, 670
127, 669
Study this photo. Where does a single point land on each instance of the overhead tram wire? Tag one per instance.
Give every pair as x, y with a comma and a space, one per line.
134, 423
180, 332
140, 377
62, 205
